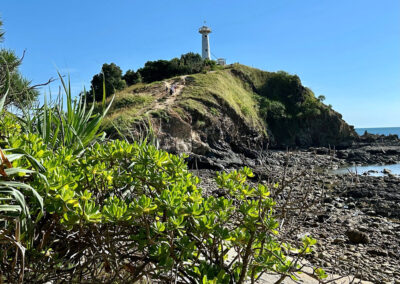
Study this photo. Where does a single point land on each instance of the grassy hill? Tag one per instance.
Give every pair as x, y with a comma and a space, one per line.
236, 108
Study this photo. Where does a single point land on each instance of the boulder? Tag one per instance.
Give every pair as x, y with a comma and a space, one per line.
357, 237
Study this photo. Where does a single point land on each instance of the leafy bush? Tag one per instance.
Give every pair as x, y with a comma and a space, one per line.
120, 212
127, 211
191, 63
15, 217
285, 88
272, 109
311, 108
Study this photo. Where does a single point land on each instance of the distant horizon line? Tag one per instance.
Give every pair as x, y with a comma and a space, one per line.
377, 127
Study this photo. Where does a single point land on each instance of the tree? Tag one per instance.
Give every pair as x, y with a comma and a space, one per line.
131, 77
111, 75
157, 70
1, 32
20, 91
188, 63
191, 63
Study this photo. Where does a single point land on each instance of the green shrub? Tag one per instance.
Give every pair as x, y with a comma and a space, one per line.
120, 212
272, 109
311, 108
125, 211
16, 197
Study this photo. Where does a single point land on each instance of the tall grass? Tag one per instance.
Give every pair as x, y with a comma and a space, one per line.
75, 127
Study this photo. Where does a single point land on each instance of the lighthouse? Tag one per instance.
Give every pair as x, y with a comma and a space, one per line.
205, 44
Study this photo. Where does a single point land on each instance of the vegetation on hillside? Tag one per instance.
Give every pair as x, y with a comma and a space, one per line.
271, 102
189, 63
152, 71
212, 94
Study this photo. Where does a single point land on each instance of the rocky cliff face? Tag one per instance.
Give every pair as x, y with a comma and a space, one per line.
228, 117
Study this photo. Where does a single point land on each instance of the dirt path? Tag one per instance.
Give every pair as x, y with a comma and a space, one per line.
166, 100
163, 99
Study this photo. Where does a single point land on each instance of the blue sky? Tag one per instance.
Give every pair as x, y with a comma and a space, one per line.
348, 51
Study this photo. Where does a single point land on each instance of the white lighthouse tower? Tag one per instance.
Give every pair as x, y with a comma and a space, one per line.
205, 50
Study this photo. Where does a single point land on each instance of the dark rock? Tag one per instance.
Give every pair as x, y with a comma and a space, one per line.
322, 218
357, 237
319, 150
386, 171
377, 252
338, 241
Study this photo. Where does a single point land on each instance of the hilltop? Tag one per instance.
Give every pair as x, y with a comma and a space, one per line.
228, 114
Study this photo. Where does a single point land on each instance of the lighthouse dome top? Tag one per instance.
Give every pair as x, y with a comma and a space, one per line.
204, 30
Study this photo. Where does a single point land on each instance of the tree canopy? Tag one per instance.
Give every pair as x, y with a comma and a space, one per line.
188, 63
131, 77
111, 75
158, 70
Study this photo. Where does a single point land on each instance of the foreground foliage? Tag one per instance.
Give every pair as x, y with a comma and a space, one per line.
125, 211
119, 212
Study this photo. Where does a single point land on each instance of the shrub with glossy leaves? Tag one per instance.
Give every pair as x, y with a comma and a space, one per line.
122, 212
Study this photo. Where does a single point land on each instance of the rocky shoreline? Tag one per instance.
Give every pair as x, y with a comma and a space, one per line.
356, 218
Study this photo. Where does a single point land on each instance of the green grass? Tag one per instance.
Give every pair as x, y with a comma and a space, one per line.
129, 105
136, 101
251, 75
209, 93
235, 90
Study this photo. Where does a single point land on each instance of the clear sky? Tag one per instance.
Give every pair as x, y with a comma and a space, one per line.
347, 50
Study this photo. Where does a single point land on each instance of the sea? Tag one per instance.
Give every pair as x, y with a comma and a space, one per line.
377, 170
379, 130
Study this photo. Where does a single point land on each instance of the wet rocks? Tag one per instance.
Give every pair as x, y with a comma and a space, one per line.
355, 218
387, 172
350, 241
372, 149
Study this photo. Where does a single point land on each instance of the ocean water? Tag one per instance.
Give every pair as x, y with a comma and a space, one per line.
379, 130
377, 169
395, 169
